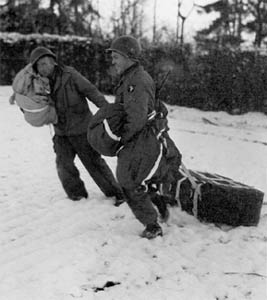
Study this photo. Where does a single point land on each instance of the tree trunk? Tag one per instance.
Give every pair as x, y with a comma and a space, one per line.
154, 22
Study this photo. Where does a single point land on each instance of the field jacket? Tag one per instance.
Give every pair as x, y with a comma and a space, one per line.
136, 92
70, 91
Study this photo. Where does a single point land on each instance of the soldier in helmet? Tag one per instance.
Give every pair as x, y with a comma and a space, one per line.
69, 90
141, 150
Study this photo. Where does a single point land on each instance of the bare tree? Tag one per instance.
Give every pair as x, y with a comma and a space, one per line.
130, 18
183, 18
238, 15
123, 17
154, 21
258, 9
178, 20
98, 24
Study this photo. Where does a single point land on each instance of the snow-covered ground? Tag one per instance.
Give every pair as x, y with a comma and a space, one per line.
54, 249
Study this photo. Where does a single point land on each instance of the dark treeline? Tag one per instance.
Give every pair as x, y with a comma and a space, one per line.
221, 79
214, 74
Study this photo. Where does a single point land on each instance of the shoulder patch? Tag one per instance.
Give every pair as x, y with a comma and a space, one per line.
131, 88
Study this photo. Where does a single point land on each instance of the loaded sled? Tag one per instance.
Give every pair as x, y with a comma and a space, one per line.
218, 199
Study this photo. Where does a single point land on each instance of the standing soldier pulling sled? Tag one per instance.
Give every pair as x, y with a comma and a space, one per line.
148, 160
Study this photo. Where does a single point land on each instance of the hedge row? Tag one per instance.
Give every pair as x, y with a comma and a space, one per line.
220, 79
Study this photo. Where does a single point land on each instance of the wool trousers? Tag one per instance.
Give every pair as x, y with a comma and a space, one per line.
66, 149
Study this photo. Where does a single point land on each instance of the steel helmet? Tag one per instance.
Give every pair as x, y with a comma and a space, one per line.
127, 46
40, 52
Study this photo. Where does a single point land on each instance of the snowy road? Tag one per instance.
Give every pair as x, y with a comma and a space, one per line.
54, 249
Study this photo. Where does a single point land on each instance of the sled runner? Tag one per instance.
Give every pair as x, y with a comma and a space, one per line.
218, 199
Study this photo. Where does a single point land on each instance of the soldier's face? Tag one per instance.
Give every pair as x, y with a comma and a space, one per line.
45, 66
120, 62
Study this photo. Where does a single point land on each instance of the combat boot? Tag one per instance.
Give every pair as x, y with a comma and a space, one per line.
119, 199
152, 231
78, 197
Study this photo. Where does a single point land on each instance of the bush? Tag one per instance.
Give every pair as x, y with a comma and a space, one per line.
86, 55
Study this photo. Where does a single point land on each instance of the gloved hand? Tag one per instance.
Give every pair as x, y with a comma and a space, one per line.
12, 99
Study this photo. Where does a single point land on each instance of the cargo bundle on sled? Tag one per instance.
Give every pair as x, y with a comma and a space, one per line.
218, 199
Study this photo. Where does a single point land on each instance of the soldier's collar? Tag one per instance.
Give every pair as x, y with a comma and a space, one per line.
132, 67
130, 70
